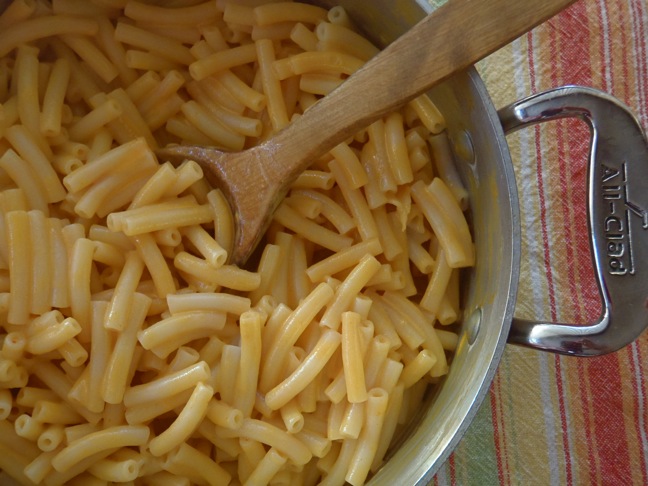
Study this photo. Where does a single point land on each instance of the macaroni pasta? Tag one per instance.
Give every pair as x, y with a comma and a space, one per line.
131, 349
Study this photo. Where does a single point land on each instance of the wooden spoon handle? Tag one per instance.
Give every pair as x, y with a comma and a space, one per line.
450, 39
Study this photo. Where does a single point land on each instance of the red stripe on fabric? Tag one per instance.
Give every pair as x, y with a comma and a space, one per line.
498, 432
574, 63
453, 470
639, 8
639, 11
636, 366
541, 194
560, 388
588, 427
572, 163
605, 373
547, 257
565, 166
580, 275
640, 398
609, 421
640, 55
573, 148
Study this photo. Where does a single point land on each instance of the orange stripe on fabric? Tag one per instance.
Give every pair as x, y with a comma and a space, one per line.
574, 223
607, 446
639, 11
620, 12
636, 418
547, 257
572, 140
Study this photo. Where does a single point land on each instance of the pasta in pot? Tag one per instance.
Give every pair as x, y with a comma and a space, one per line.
130, 349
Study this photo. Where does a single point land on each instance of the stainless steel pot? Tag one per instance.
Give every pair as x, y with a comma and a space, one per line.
618, 231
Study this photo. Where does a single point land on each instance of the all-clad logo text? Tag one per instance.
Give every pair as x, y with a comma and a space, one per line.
619, 210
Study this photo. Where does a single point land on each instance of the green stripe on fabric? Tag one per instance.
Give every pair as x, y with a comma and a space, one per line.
476, 457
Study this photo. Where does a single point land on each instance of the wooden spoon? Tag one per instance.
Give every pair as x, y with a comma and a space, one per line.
450, 39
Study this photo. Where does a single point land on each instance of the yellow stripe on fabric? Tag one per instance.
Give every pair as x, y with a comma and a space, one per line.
536, 417
628, 367
527, 435
506, 76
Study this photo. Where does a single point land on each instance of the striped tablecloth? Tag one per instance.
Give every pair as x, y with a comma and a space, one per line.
551, 420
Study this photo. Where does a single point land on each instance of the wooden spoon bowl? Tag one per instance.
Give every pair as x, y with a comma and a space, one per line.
450, 39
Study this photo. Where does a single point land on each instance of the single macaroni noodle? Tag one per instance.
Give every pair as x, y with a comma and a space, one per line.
131, 349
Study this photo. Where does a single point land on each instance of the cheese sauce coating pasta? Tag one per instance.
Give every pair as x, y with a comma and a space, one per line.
131, 351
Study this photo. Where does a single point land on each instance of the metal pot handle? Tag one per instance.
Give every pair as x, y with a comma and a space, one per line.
617, 220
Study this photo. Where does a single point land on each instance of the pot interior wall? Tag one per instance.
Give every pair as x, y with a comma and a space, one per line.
490, 288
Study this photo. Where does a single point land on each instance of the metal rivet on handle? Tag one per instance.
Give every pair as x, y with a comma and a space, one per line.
472, 325
463, 146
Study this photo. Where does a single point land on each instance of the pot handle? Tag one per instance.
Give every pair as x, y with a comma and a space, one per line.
617, 220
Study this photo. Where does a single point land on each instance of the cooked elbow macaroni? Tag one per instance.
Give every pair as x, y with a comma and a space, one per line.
131, 350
